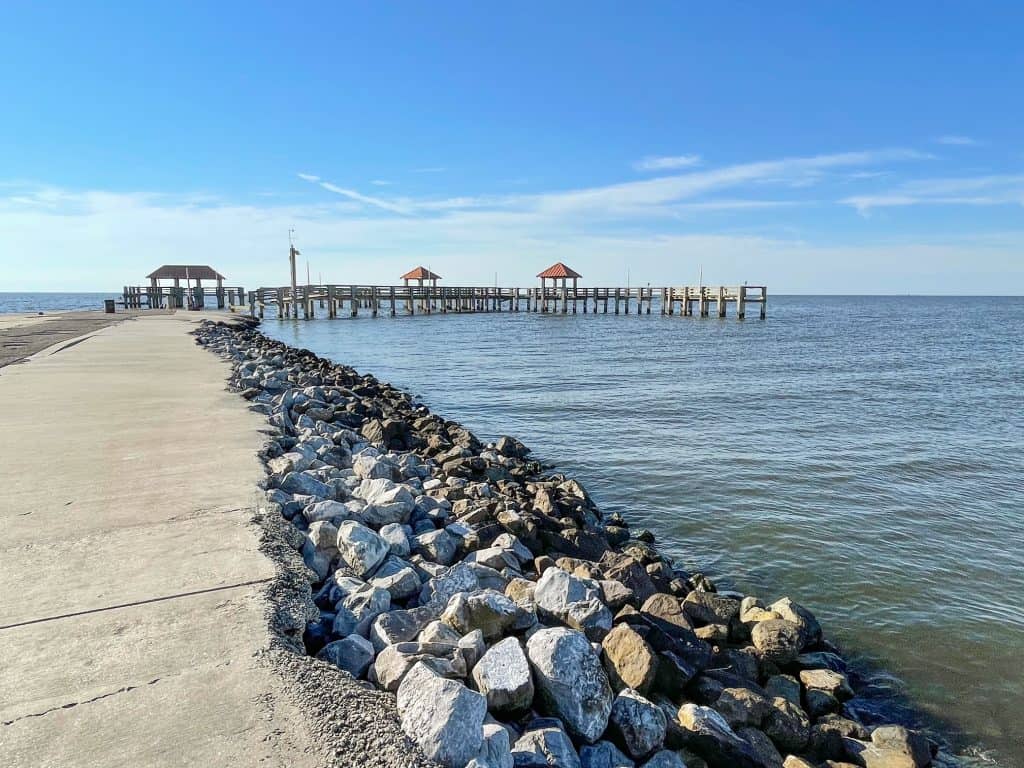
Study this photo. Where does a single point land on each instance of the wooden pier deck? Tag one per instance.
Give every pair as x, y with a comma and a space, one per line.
338, 300
176, 297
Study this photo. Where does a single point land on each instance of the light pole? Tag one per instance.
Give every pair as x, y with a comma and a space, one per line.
292, 253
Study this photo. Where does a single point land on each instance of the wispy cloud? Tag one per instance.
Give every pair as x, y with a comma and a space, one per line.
652, 198
957, 141
352, 194
666, 162
1005, 189
381, 182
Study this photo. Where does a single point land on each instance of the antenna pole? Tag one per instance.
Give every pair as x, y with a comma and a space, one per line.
292, 253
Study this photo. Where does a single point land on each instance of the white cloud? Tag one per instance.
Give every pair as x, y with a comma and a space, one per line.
666, 163
997, 189
957, 141
351, 194
381, 182
98, 240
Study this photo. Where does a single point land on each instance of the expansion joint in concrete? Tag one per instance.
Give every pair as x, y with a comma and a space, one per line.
136, 602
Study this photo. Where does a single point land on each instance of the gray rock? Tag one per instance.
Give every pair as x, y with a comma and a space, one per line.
810, 629
354, 654
396, 537
603, 754
371, 467
332, 511
503, 676
357, 610
397, 627
778, 640
398, 577
511, 542
762, 746
706, 733
637, 724
299, 482
395, 661
439, 590
787, 725
493, 557
562, 597
786, 686
473, 647
324, 536
893, 746
437, 632
741, 707
317, 560
615, 594
361, 549
665, 758
442, 716
386, 502
545, 746
440, 546
835, 683
710, 607
489, 611
496, 750
571, 681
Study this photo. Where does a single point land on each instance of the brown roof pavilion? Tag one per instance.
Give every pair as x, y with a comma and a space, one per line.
178, 272
559, 270
420, 273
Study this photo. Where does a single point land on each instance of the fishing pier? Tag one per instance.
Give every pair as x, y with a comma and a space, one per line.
421, 294
192, 295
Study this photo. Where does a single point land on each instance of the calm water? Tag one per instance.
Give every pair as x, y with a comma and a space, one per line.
864, 455
51, 302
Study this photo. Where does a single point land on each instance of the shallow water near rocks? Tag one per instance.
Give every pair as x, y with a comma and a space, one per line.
864, 455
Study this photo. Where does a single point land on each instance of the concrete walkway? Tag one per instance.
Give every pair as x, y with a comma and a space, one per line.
130, 581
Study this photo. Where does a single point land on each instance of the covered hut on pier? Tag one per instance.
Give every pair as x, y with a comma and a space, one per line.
421, 274
188, 273
558, 271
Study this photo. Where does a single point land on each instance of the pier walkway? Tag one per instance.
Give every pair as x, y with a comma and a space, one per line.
131, 610
339, 300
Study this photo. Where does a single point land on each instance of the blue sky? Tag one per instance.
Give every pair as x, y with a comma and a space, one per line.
847, 148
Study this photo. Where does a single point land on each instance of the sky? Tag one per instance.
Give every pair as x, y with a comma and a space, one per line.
811, 147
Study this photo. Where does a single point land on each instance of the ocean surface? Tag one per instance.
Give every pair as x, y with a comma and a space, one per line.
17, 303
864, 455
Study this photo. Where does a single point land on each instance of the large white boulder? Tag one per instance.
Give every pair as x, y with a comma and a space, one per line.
443, 716
571, 680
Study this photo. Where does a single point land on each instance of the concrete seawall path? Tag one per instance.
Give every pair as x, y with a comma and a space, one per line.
131, 605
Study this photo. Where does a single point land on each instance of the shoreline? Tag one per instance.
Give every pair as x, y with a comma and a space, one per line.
719, 637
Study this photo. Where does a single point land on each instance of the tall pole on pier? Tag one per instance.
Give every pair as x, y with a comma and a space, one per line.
292, 253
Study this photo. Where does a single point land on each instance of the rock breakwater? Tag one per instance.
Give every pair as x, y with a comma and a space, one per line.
516, 624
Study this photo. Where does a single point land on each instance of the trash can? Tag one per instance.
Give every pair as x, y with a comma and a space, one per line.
108, 306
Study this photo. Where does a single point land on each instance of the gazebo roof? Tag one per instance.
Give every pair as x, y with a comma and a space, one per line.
558, 269
420, 273
194, 271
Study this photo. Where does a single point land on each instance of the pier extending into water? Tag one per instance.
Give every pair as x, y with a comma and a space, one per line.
307, 301
179, 297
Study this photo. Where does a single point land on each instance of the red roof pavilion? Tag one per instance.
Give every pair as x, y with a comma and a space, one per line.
420, 274
559, 270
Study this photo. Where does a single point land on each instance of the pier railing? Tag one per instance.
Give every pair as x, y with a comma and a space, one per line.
177, 297
335, 300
